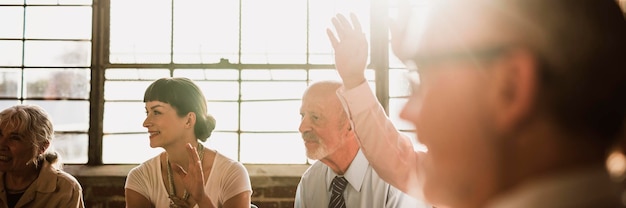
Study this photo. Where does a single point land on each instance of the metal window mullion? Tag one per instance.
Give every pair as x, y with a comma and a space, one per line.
239, 81
21, 96
379, 50
171, 65
100, 54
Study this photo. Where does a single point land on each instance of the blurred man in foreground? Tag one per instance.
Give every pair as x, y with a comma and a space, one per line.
517, 101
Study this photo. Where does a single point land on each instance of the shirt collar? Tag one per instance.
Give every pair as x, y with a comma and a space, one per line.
46, 182
355, 173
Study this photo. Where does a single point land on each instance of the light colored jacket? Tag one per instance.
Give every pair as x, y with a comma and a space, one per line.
53, 188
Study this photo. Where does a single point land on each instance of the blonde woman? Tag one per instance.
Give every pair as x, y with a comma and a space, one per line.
29, 173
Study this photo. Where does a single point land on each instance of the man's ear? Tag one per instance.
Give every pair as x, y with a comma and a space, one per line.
515, 88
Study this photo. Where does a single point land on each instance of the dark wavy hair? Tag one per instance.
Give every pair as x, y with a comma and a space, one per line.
184, 96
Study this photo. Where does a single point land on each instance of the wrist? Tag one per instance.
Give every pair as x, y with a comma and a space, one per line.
352, 83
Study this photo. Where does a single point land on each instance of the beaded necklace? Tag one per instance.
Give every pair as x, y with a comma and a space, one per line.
170, 177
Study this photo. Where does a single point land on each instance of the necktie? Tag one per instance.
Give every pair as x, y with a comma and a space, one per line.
336, 198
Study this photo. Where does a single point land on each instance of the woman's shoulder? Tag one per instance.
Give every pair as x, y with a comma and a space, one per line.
66, 178
148, 165
231, 174
228, 166
222, 160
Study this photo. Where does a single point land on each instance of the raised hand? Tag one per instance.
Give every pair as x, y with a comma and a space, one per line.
180, 203
193, 178
351, 50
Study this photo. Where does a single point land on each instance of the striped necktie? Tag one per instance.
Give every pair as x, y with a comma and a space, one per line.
337, 186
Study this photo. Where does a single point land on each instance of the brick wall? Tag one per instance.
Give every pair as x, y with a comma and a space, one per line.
103, 191
274, 192
272, 186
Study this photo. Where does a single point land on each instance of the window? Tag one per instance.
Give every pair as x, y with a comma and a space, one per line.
252, 58
45, 55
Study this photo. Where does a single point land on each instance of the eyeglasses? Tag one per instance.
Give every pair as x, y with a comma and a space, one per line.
479, 55
421, 63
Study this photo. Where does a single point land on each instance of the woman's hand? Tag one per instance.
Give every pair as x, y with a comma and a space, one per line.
193, 178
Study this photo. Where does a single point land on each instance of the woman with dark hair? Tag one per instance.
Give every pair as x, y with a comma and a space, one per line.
186, 174
30, 174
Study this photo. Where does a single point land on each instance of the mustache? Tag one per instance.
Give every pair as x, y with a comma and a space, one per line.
310, 137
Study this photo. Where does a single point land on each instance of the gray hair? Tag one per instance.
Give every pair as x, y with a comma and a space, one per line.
32, 122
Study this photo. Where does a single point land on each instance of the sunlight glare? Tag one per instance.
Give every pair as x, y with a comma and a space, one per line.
616, 164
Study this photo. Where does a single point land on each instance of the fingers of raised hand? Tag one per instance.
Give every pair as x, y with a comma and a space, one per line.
344, 27
356, 23
180, 170
344, 22
331, 36
193, 153
347, 28
179, 202
339, 28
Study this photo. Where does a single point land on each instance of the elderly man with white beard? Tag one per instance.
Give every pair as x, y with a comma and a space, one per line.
341, 176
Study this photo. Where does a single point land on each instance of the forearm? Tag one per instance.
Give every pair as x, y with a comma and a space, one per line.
390, 152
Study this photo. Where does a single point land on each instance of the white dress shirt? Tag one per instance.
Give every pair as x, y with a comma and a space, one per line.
365, 188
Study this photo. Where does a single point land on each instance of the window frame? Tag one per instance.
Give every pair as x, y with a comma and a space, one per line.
379, 62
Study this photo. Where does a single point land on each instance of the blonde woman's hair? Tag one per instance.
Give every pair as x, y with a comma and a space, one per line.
32, 123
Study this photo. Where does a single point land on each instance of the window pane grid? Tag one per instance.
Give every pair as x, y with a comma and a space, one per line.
45, 55
244, 64
240, 114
